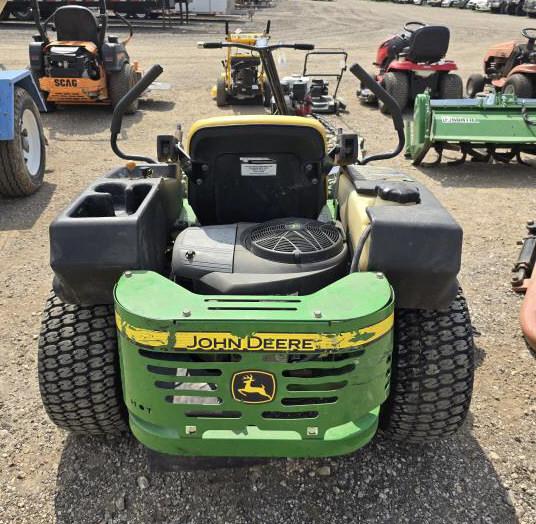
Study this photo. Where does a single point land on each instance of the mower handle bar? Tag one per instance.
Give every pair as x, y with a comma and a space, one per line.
392, 106
117, 118
271, 47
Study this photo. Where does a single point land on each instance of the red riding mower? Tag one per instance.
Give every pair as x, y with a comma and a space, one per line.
413, 61
510, 67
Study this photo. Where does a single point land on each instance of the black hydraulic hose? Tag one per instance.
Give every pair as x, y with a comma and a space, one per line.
359, 248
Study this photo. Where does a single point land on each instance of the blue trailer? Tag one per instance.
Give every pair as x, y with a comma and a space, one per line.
22, 141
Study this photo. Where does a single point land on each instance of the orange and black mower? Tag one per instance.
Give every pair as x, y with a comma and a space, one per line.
82, 65
509, 67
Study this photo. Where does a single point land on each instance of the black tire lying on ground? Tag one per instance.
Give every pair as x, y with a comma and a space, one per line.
78, 368
432, 374
22, 160
119, 83
397, 85
450, 86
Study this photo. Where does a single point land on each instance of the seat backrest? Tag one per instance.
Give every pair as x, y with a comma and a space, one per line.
76, 23
256, 168
429, 44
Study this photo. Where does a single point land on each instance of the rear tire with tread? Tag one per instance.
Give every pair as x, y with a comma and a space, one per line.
432, 374
519, 84
450, 87
78, 368
119, 83
475, 84
397, 85
221, 93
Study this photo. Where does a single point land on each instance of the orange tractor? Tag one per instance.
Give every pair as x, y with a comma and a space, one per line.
82, 65
509, 67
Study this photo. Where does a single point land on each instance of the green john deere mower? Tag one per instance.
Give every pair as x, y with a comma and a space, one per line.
221, 303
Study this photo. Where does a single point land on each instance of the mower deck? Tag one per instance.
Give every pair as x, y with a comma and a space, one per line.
291, 377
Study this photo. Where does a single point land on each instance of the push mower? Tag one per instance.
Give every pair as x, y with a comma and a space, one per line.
22, 142
524, 281
510, 67
243, 79
412, 62
496, 127
324, 102
82, 65
256, 315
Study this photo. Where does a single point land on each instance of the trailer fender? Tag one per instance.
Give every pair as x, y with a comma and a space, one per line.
8, 81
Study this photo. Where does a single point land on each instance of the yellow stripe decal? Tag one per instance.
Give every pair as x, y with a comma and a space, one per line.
223, 341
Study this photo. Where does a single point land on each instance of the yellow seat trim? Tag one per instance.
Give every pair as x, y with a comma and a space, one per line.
253, 120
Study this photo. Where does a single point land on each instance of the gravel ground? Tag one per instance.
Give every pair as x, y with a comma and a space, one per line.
485, 474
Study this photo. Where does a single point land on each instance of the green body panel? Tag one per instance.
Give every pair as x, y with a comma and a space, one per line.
326, 400
493, 120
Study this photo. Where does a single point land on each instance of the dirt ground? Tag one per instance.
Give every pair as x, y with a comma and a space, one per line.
486, 474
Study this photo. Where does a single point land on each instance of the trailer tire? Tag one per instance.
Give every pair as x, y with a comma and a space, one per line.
119, 83
450, 86
221, 93
519, 85
432, 374
23, 159
475, 84
78, 368
397, 85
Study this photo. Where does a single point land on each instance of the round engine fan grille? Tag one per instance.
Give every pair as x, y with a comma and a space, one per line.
294, 240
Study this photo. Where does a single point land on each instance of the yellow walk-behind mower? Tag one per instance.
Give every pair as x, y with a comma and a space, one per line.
82, 65
254, 314
243, 78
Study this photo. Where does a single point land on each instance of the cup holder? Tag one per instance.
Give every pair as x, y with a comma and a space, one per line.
112, 199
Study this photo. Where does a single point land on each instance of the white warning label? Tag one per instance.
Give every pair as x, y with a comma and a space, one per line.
255, 166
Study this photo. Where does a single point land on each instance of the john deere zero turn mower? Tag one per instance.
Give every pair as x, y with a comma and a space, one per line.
412, 62
243, 78
510, 67
81, 65
22, 141
254, 314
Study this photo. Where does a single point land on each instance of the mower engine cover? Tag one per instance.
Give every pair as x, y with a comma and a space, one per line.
254, 375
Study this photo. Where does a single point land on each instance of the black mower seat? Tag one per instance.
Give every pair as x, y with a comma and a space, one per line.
256, 168
429, 44
76, 23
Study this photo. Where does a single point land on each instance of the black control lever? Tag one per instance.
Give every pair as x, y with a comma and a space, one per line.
392, 106
117, 118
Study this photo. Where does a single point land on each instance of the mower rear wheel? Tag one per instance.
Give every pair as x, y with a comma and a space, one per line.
78, 368
221, 93
432, 374
518, 84
450, 86
397, 85
120, 83
22, 160
475, 84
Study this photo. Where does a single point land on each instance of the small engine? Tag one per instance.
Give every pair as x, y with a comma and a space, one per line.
281, 257
297, 90
245, 73
71, 62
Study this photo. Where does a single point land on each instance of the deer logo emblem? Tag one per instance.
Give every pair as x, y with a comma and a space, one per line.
253, 387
